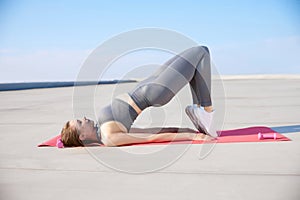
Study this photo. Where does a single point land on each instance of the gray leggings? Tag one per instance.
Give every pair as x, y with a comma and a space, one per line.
191, 66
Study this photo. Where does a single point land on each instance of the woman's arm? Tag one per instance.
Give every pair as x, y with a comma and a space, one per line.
117, 139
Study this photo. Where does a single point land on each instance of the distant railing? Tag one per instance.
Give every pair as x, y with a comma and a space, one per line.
37, 85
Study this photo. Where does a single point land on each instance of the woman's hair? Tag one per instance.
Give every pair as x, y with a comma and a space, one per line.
70, 136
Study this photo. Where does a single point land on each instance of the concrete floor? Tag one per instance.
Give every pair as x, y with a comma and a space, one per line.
225, 171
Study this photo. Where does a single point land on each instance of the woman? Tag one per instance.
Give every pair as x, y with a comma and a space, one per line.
114, 121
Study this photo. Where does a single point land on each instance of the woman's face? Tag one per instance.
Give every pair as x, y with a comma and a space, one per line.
85, 127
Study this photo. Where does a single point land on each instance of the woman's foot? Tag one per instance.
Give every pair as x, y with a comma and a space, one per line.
201, 119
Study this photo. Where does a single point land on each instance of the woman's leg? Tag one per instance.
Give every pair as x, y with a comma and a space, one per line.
201, 82
191, 66
200, 88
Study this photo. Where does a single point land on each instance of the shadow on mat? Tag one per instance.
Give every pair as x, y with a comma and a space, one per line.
286, 129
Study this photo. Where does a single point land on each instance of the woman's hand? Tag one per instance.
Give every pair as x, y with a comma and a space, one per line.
201, 136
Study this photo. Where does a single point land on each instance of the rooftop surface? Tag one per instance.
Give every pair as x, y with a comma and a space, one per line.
269, 170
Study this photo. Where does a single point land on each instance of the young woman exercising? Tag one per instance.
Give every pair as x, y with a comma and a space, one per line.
114, 121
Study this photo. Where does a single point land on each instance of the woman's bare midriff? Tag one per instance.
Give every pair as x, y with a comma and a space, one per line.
117, 127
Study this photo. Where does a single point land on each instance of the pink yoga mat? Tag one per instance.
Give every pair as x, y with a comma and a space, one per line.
227, 136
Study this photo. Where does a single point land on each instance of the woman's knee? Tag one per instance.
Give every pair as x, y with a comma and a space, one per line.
205, 48
202, 49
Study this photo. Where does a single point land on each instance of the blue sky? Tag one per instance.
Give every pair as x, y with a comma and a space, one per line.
49, 40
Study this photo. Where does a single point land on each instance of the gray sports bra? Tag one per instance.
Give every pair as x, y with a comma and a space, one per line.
119, 111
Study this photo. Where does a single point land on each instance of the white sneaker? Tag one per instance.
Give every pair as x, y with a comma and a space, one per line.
189, 110
201, 119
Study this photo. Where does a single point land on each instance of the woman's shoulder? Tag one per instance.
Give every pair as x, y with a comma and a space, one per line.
110, 127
